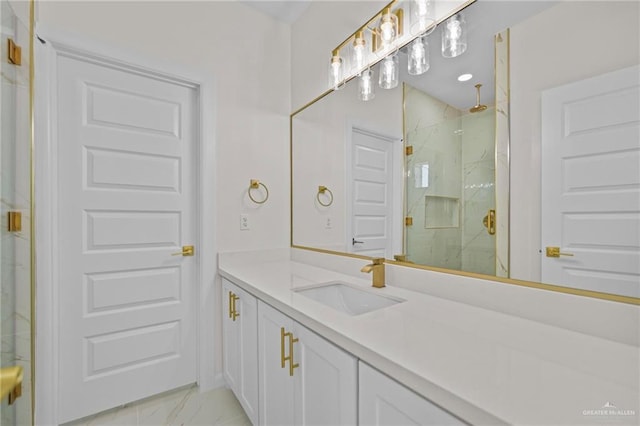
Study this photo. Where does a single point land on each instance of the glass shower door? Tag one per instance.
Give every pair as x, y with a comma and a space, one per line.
450, 185
15, 203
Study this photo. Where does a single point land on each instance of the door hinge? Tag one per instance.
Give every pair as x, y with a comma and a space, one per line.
15, 221
15, 53
408, 221
408, 150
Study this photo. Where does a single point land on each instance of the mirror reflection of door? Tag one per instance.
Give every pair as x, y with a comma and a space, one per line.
591, 184
371, 181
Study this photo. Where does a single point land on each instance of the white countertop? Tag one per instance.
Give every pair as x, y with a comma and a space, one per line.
483, 366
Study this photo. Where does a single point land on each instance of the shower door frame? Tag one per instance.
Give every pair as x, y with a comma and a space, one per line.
46, 409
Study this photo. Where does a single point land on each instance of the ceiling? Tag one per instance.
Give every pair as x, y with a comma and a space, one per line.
285, 10
484, 19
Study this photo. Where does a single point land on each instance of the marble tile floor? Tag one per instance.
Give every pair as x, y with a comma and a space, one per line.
183, 407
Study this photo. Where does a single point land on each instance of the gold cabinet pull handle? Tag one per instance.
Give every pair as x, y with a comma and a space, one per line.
283, 358
292, 364
230, 304
186, 251
235, 312
555, 252
489, 222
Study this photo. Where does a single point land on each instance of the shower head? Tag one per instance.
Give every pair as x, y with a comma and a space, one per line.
477, 107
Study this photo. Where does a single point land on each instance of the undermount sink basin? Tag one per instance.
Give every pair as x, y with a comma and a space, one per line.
347, 298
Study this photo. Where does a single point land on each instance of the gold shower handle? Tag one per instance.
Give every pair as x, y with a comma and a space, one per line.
489, 222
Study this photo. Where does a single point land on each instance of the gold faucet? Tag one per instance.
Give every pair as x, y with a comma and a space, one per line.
377, 267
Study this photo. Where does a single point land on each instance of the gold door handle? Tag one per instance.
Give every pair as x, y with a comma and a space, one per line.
186, 251
555, 252
11, 383
230, 304
489, 222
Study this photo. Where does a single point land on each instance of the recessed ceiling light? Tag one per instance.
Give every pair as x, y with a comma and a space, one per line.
465, 77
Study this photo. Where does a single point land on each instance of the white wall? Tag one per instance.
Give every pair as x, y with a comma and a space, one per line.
568, 42
248, 55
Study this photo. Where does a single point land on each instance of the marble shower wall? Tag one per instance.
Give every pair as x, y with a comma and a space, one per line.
434, 180
15, 266
450, 184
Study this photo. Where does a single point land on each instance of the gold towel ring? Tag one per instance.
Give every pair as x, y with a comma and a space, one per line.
255, 184
322, 190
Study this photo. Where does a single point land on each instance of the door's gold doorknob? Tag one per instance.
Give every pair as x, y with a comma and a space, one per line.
186, 251
555, 252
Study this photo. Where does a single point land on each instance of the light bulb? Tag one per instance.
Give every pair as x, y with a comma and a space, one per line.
418, 62
335, 72
389, 72
359, 52
387, 27
365, 86
454, 36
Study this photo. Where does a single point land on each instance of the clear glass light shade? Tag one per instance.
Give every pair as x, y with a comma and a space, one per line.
418, 60
388, 28
422, 16
359, 55
454, 36
389, 71
335, 72
366, 86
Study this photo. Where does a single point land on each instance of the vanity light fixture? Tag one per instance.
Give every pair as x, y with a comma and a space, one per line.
454, 36
335, 70
366, 87
389, 31
465, 77
389, 72
388, 27
359, 51
418, 61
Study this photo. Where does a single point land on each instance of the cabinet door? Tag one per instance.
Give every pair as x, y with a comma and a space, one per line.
326, 381
240, 333
383, 401
276, 385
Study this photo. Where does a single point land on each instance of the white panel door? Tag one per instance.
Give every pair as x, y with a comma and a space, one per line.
385, 402
326, 382
371, 189
240, 346
125, 204
591, 183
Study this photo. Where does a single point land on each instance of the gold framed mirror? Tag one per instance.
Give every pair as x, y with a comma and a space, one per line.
325, 132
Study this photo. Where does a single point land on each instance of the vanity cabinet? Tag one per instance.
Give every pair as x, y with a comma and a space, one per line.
383, 401
304, 379
240, 348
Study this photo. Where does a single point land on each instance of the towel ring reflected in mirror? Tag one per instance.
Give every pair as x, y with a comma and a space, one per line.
324, 190
256, 184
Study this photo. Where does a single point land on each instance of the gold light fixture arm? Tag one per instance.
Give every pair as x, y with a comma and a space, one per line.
256, 184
